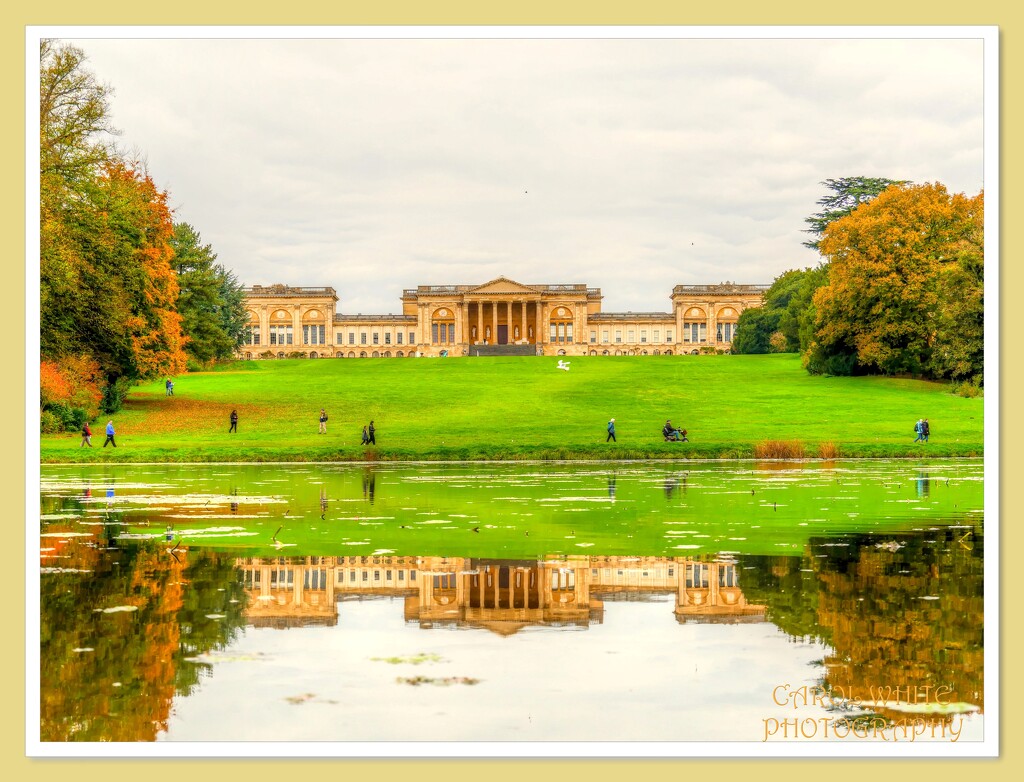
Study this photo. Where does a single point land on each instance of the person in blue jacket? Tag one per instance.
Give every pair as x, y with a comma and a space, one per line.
110, 435
611, 431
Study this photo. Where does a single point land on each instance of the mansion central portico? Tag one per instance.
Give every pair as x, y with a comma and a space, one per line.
500, 317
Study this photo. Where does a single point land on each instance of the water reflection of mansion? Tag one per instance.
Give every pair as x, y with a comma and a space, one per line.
499, 595
500, 317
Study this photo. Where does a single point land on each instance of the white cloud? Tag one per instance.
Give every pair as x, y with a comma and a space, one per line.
633, 166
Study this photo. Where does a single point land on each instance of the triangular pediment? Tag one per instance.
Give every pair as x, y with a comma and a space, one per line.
503, 285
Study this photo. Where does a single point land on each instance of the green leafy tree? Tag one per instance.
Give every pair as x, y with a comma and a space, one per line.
754, 330
211, 301
847, 194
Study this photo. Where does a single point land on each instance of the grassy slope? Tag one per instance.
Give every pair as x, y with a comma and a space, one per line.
525, 408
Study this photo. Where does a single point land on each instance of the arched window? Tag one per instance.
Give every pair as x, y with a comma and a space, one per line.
560, 325
252, 331
314, 328
442, 327
695, 326
281, 329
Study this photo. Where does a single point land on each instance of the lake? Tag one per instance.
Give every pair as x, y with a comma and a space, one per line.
444, 605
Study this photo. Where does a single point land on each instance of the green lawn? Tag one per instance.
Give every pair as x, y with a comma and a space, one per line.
525, 408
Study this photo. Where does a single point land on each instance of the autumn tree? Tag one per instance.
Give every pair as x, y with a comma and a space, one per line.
847, 194
107, 290
886, 307
211, 301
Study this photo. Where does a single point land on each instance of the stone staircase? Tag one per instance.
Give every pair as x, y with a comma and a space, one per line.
503, 350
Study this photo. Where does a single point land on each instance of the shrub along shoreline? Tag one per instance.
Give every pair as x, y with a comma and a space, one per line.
126, 454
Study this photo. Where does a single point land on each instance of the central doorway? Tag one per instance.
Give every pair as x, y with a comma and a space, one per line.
502, 335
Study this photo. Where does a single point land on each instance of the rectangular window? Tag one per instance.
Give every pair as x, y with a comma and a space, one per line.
321, 335
376, 338
376, 575
604, 336
643, 335
554, 332
593, 336
398, 337
629, 336
412, 575
366, 576
362, 337
568, 332
338, 338
254, 335
618, 335
351, 575
703, 332
668, 336
401, 575
412, 337
387, 337
433, 334
351, 338
656, 336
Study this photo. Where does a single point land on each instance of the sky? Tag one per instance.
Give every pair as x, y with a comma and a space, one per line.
373, 166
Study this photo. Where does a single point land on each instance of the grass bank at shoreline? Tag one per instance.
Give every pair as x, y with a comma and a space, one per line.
523, 408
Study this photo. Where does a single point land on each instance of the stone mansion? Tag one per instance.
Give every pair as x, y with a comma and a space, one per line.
500, 317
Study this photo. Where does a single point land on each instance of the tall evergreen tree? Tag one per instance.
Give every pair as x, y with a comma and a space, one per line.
847, 194
211, 301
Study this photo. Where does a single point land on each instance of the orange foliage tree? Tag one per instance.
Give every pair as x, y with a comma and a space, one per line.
884, 308
108, 292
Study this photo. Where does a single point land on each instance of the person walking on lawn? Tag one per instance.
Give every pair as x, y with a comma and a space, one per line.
110, 435
611, 431
371, 432
234, 422
86, 435
323, 421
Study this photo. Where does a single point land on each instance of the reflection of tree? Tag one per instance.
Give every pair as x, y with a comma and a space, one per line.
111, 676
213, 585
790, 592
905, 613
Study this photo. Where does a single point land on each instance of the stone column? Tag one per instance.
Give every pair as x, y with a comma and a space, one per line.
479, 321
522, 327
264, 315
459, 315
296, 328
711, 323
494, 323
539, 318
